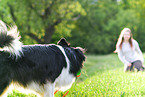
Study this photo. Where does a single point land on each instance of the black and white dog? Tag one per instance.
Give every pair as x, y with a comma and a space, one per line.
41, 68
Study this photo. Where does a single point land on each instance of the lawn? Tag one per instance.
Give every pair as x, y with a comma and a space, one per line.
103, 76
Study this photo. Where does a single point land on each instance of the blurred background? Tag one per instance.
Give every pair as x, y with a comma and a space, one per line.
91, 24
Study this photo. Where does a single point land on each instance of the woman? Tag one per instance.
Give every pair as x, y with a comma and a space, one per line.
129, 52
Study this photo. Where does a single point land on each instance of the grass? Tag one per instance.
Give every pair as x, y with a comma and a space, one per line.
103, 76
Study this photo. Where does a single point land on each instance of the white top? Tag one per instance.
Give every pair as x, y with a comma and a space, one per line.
128, 55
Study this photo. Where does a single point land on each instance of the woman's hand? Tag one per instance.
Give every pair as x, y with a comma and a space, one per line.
129, 64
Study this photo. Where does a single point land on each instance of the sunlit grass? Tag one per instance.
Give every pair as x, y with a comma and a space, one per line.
103, 76
16, 93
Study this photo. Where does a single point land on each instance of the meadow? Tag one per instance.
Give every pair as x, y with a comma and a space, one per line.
103, 76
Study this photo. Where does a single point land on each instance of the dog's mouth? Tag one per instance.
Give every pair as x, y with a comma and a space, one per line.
82, 65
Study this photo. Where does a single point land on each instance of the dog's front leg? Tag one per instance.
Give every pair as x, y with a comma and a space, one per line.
49, 89
3, 87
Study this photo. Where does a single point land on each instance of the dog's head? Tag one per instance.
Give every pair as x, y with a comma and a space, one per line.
62, 42
75, 55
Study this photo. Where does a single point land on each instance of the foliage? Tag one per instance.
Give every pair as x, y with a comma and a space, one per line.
139, 7
40, 19
91, 24
101, 27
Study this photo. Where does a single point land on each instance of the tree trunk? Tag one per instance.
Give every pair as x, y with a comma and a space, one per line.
48, 34
49, 31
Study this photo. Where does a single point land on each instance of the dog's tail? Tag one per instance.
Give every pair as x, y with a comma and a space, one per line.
9, 40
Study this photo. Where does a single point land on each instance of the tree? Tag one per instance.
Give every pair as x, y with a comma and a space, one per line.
40, 19
99, 30
139, 29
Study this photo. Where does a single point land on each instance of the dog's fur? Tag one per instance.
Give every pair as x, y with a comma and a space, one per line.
41, 68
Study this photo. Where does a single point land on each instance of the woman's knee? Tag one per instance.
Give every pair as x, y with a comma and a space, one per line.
137, 65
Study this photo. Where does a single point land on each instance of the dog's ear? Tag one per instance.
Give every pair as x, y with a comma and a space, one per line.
63, 42
81, 49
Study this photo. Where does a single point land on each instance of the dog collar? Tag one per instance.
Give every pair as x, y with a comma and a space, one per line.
79, 73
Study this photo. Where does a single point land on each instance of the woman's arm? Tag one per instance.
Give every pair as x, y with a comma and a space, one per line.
121, 57
137, 48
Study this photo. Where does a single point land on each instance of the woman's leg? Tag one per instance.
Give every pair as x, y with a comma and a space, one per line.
138, 65
128, 68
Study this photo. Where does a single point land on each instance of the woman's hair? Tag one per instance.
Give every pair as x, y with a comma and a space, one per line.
121, 39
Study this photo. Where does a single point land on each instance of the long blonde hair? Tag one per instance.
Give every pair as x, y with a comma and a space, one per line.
121, 39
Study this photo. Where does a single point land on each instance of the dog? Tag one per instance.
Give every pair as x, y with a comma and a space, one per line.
42, 68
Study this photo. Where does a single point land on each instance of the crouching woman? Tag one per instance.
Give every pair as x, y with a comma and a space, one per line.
129, 52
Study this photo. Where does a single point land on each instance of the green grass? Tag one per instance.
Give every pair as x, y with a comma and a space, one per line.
103, 76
